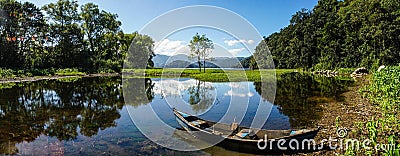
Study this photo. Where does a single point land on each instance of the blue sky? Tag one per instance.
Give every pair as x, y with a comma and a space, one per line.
267, 16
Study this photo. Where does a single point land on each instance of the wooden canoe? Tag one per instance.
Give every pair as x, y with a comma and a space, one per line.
248, 140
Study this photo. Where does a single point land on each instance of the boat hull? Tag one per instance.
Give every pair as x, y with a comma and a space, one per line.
301, 143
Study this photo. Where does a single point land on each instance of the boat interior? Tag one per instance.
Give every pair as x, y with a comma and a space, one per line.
237, 132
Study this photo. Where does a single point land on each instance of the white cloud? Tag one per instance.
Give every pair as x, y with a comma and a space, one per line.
232, 93
235, 42
174, 87
236, 85
231, 42
234, 52
169, 47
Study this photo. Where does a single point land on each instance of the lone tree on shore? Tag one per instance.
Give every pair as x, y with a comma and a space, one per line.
201, 47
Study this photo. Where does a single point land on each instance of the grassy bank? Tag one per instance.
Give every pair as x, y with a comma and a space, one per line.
214, 75
24, 73
384, 93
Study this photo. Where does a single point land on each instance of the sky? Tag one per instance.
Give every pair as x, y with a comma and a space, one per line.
267, 17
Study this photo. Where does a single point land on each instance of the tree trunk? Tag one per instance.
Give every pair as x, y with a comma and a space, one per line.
198, 61
204, 65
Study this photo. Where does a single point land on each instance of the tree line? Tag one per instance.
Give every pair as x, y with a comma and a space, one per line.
62, 35
337, 34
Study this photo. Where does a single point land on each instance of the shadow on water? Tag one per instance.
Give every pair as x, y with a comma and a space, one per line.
86, 111
57, 108
299, 95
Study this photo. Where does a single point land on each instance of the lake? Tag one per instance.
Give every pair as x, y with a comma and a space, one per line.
90, 116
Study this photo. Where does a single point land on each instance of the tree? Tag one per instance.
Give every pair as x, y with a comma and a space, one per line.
65, 32
101, 29
140, 52
262, 56
22, 28
248, 62
339, 34
59, 35
201, 47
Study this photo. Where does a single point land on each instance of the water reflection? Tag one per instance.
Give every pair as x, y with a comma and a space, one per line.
57, 108
139, 91
88, 114
186, 93
299, 95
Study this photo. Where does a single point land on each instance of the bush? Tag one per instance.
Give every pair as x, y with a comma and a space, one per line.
6, 73
69, 72
42, 72
384, 91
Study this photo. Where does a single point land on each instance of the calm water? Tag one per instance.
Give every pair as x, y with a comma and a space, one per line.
89, 116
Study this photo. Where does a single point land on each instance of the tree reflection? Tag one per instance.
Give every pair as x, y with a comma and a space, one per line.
138, 91
299, 95
201, 96
57, 109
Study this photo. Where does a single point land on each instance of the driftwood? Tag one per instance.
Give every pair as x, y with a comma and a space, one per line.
381, 68
327, 73
359, 72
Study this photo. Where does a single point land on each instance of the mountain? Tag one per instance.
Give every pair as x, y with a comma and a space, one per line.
178, 64
181, 61
161, 60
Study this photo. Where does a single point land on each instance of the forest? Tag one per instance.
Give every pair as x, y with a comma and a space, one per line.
338, 34
61, 35
334, 34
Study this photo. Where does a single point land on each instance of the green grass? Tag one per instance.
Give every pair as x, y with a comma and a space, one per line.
69, 79
384, 92
346, 71
7, 85
21, 73
211, 75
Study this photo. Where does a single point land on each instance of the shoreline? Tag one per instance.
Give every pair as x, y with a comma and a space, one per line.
346, 114
54, 77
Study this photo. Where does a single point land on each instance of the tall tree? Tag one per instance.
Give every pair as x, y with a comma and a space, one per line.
201, 47
101, 29
23, 31
262, 56
65, 32
140, 51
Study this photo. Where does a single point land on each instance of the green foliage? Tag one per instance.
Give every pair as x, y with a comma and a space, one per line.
21, 34
346, 71
339, 34
102, 31
6, 73
7, 85
350, 152
9, 73
248, 62
69, 72
140, 52
338, 120
211, 75
384, 91
59, 35
200, 48
69, 79
262, 58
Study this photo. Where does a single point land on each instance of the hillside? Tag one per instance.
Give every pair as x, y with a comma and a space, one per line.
181, 61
